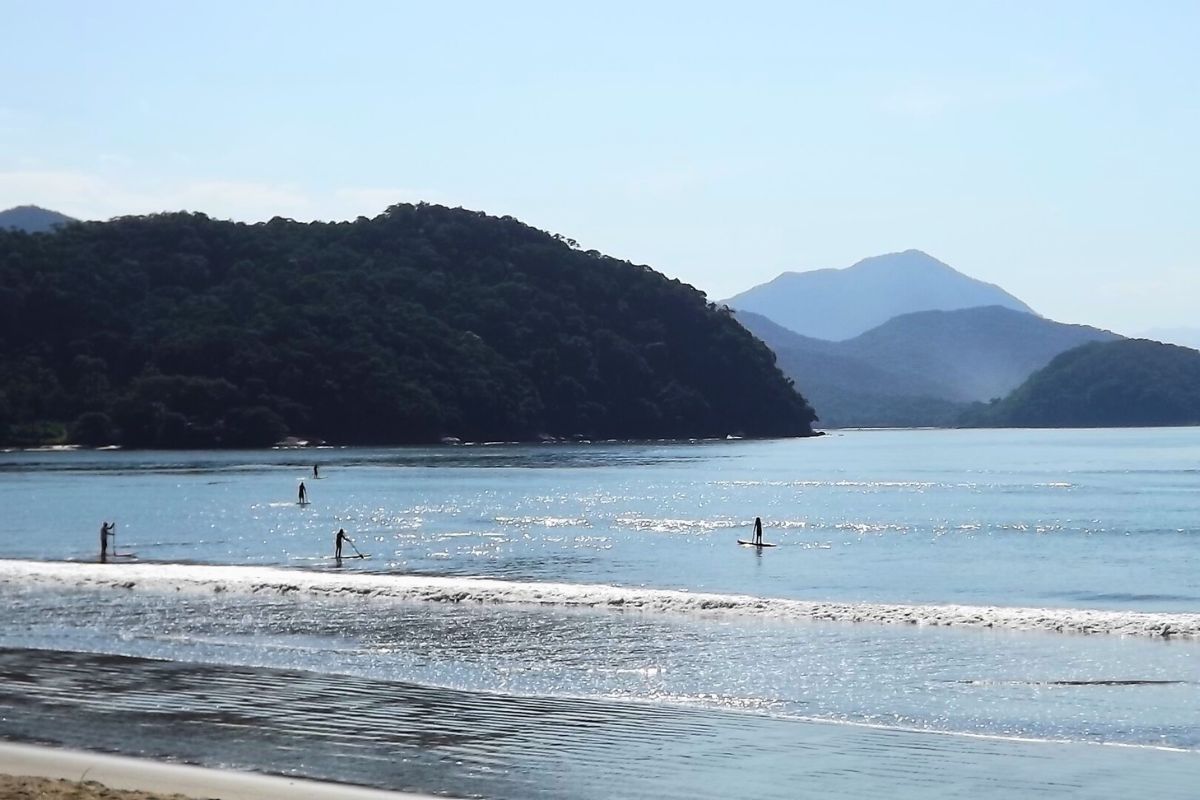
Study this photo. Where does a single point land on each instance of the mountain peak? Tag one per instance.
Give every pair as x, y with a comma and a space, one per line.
32, 219
838, 304
903, 260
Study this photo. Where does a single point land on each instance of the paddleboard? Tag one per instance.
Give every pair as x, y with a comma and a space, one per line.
124, 555
752, 544
364, 557
304, 502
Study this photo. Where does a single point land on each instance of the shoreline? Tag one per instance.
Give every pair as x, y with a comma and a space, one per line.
156, 779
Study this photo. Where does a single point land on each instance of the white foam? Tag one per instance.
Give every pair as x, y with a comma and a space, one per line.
171, 578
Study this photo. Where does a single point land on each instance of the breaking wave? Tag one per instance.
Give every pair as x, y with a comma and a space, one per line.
196, 578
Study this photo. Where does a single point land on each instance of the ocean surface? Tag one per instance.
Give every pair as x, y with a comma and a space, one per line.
945, 614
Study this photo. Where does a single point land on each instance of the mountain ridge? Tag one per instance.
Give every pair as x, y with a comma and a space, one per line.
919, 369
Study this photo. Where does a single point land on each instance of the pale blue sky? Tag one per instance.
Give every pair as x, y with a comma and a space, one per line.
1051, 148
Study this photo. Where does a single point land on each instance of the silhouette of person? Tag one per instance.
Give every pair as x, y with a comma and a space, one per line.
303, 493
758, 530
337, 543
316, 471
106, 530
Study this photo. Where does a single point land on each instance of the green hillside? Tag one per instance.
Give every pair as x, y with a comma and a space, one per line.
179, 330
1127, 383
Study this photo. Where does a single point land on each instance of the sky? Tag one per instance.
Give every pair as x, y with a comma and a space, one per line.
1049, 148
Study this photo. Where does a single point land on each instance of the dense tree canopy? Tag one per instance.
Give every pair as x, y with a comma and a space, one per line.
424, 322
1126, 383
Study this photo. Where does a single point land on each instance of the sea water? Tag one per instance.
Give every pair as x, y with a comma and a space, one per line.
973, 601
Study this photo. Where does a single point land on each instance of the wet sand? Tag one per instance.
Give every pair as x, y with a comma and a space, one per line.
49, 773
430, 740
15, 787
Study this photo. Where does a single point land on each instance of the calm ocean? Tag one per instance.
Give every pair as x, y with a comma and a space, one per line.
945, 614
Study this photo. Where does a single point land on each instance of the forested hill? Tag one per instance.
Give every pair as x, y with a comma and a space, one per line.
1127, 383
179, 330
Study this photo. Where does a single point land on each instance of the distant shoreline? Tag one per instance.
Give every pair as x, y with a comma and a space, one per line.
80, 448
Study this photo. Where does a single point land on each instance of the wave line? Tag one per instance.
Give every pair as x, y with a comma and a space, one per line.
199, 578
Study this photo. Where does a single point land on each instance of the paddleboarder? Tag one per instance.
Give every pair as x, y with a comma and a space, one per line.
107, 530
303, 494
316, 471
758, 531
337, 543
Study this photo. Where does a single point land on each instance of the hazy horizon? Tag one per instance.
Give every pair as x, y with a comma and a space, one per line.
1045, 150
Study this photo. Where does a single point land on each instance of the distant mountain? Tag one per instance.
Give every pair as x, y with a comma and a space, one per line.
838, 304
847, 393
1127, 383
920, 369
32, 219
779, 338
973, 353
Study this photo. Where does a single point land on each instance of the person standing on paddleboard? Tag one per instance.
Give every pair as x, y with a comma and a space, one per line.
106, 530
758, 531
337, 543
316, 471
303, 494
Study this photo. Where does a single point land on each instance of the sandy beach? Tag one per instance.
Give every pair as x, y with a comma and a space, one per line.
46, 773
17, 787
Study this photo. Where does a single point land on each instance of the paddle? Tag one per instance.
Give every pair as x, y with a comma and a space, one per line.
357, 554
113, 534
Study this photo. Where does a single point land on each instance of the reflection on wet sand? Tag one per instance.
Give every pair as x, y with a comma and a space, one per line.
402, 736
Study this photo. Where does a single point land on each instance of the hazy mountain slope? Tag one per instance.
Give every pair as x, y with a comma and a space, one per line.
780, 338
971, 354
1126, 383
32, 219
838, 304
833, 363
847, 391
922, 368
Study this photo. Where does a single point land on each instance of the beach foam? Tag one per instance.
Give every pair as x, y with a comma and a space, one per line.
173, 578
